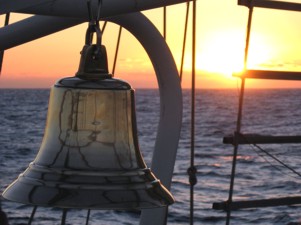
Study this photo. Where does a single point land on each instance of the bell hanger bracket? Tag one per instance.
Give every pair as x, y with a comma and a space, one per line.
93, 63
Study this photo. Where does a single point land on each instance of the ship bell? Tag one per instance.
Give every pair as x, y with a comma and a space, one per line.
89, 157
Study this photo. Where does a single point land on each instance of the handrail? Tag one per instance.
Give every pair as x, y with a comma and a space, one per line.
78, 8
292, 6
269, 74
260, 139
257, 203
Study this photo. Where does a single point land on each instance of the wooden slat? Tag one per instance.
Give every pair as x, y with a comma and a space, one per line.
257, 203
260, 139
269, 74
291, 6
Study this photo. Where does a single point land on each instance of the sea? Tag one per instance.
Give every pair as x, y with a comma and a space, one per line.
267, 171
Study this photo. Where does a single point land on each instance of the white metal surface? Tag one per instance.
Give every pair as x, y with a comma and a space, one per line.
33, 28
78, 8
282, 5
14, 5
168, 135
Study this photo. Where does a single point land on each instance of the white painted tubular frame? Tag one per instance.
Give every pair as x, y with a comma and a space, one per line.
269, 4
78, 8
169, 128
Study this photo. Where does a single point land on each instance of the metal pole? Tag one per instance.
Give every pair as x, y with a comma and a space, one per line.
239, 117
192, 169
166, 145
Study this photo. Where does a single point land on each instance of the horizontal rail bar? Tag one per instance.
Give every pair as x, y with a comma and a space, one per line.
291, 6
260, 139
269, 74
257, 203
78, 8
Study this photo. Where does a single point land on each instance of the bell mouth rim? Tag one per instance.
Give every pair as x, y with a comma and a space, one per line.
133, 196
135, 191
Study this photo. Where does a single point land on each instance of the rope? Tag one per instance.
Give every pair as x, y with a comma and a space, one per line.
104, 26
164, 22
263, 157
88, 217
32, 215
184, 40
270, 155
117, 49
278, 160
192, 169
239, 117
2, 52
255, 146
63, 222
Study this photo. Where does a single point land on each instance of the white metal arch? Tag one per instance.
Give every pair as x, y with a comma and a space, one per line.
168, 135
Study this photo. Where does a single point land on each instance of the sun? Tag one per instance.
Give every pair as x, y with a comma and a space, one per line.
223, 52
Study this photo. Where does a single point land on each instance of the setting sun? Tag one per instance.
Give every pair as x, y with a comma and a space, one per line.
223, 53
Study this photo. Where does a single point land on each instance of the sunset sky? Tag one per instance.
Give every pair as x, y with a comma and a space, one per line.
221, 27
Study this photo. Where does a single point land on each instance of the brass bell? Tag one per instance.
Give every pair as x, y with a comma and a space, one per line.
89, 157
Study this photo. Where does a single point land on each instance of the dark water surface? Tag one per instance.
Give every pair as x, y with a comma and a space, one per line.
270, 112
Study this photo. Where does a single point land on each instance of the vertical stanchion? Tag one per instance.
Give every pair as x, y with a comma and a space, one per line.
239, 118
192, 169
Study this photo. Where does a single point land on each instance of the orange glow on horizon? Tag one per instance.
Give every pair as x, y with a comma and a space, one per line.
221, 27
